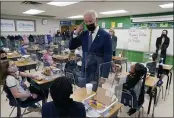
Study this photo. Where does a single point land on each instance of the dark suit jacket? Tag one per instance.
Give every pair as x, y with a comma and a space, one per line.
76, 110
102, 46
164, 45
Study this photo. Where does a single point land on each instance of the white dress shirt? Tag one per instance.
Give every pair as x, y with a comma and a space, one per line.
93, 35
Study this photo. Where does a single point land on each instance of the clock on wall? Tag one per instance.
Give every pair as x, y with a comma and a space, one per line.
44, 22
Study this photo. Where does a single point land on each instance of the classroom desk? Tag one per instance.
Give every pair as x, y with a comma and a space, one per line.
151, 82
120, 60
166, 71
13, 56
81, 94
44, 78
33, 50
26, 65
60, 58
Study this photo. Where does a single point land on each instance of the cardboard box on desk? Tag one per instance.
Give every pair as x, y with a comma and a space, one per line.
102, 96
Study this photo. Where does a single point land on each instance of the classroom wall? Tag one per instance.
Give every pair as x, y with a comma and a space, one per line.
40, 28
132, 55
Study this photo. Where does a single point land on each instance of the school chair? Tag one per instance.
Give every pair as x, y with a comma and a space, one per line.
70, 75
129, 99
34, 57
16, 103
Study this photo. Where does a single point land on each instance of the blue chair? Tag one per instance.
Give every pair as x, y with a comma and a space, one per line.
16, 103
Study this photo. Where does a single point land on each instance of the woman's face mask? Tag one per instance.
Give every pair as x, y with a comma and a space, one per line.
111, 33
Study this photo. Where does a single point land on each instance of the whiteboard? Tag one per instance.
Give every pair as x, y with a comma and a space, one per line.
157, 33
133, 39
7, 25
25, 25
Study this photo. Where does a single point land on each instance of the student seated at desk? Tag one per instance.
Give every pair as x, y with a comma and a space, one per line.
3, 55
23, 48
71, 64
136, 83
62, 105
16, 85
152, 65
72, 67
48, 57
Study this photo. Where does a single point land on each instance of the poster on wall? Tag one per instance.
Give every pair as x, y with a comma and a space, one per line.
153, 25
103, 24
7, 25
163, 24
25, 25
120, 25
144, 25
113, 24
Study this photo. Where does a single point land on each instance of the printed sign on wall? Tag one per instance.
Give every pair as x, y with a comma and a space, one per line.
163, 24
103, 24
153, 25
7, 25
25, 25
113, 24
120, 25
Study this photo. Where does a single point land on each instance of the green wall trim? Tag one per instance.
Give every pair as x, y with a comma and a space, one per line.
135, 56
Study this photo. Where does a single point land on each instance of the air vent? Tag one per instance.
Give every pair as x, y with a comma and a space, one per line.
44, 16
31, 3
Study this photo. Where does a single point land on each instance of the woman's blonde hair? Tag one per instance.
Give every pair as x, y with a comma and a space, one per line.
112, 30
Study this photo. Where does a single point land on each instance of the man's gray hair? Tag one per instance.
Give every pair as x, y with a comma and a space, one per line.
92, 13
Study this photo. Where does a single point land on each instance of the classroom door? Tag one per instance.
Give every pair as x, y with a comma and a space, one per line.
64, 28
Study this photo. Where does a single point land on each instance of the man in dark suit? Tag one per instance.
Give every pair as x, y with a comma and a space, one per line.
162, 43
96, 46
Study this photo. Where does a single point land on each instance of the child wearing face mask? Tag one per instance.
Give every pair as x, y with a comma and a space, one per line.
136, 82
71, 64
72, 67
48, 57
16, 84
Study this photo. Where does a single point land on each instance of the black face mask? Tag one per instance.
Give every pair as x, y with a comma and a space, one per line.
91, 27
164, 35
72, 62
4, 58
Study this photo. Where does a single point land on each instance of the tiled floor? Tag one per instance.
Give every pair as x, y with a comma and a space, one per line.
163, 108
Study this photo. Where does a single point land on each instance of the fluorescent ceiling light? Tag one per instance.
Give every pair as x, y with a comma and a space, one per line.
153, 19
78, 16
114, 12
33, 11
61, 4
169, 5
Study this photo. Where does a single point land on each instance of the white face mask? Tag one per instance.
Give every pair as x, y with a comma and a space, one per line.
13, 69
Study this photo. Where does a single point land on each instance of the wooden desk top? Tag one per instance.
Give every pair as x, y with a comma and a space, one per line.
44, 80
13, 55
60, 57
42, 52
81, 94
24, 63
33, 49
150, 81
167, 67
118, 58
